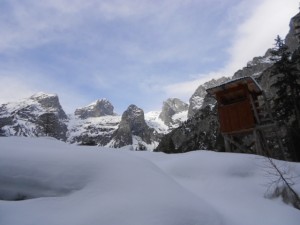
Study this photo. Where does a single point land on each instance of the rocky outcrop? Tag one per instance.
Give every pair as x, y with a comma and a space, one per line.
92, 131
39, 115
50, 103
50, 125
199, 132
291, 39
133, 125
101, 107
197, 99
255, 67
171, 107
93, 124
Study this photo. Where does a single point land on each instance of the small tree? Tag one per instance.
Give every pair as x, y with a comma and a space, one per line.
281, 183
48, 123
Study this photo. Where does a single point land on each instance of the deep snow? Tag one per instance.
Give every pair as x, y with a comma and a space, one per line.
67, 184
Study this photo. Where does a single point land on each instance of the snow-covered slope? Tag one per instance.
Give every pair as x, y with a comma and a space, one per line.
152, 119
96, 129
78, 185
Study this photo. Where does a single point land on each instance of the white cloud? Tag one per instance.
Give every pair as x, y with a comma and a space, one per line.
257, 34
184, 90
252, 38
13, 89
162, 32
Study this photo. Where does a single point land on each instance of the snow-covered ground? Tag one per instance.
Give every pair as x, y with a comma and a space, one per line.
68, 184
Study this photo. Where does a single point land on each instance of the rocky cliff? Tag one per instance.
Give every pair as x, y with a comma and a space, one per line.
199, 132
171, 107
133, 130
197, 99
95, 124
39, 115
101, 107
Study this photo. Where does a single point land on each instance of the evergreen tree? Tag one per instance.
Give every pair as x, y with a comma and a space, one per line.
286, 102
49, 124
287, 99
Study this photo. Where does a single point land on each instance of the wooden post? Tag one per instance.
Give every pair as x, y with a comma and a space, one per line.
258, 145
254, 109
227, 144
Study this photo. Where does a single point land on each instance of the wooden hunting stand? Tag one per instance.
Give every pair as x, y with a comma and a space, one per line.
245, 117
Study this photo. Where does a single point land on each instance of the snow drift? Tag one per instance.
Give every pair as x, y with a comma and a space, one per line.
67, 184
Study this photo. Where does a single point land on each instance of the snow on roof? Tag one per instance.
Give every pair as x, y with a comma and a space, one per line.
252, 84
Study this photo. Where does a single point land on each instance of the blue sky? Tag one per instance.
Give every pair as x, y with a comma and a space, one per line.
130, 51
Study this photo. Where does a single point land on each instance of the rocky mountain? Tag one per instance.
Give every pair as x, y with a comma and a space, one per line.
95, 124
93, 130
101, 107
39, 115
199, 132
197, 99
133, 130
173, 112
255, 67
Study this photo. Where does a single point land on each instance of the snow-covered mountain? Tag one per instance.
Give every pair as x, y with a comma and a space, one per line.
101, 107
174, 112
197, 99
93, 130
133, 130
94, 124
39, 115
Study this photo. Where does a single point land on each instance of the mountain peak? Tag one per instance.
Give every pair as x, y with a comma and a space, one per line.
171, 107
42, 95
100, 107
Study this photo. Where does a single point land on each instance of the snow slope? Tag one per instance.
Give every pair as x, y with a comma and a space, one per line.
67, 184
152, 119
92, 127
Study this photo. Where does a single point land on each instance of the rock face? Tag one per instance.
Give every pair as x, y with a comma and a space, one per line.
197, 99
39, 115
92, 131
93, 124
199, 132
50, 103
101, 107
291, 39
255, 67
171, 107
96, 124
133, 128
